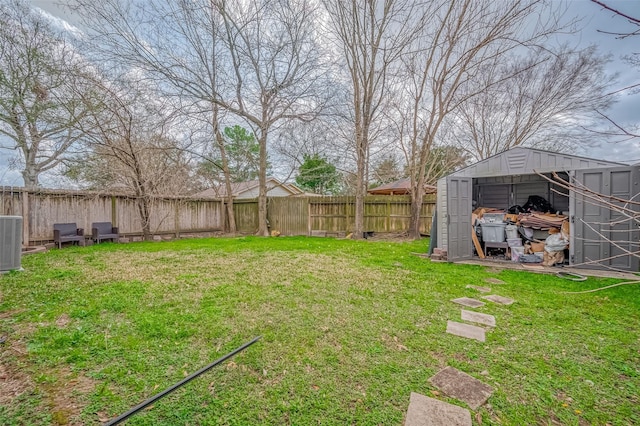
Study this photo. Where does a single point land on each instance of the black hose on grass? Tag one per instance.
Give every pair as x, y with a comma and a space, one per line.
170, 389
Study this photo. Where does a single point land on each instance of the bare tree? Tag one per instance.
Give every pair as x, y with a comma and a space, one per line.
634, 21
461, 38
624, 133
387, 169
277, 71
541, 100
41, 78
257, 61
177, 44
132, 147
371, 37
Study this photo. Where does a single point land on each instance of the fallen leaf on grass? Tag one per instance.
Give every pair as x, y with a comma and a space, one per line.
435, 393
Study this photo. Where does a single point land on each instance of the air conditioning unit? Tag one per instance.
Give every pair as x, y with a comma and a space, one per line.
10, 243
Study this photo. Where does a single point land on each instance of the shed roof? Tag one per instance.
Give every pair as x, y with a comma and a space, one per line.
524, 161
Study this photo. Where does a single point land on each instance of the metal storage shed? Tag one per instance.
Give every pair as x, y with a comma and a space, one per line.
509, 178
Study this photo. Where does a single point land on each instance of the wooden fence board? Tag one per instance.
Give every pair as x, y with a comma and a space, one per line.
287, 215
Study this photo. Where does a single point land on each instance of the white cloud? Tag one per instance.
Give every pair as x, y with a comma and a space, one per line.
61, 23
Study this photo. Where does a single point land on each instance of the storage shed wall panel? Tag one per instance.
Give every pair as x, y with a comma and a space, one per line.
604, 236
524, 161
458, 220
441, 211
511, 177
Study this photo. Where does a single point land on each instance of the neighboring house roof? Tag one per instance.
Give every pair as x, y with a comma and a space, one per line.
249, 188
399, 187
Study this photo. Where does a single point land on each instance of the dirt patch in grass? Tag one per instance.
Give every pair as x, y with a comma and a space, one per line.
63, 321
399, 237
11, 313
66, 398
13, 382
205, 270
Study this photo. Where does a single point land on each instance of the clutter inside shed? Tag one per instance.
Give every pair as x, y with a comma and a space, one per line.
531, 233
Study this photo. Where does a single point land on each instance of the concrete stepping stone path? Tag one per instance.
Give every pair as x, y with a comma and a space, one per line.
479, 318
466, 330
480, 289
499, 299
462, 386
425, 411
494, 281
466, 301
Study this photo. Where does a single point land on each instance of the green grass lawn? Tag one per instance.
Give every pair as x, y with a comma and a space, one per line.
349, 330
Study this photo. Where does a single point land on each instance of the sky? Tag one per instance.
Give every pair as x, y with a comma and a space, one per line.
593, 20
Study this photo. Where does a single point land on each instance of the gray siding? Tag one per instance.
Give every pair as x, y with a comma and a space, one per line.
604, 236
523, 161
458, 221
441, 211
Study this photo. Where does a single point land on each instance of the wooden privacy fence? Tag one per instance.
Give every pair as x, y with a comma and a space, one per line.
333, 215
40, 209
176, 216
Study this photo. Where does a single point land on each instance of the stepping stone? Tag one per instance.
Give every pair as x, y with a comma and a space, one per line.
466, 301
494, 281
533, 267
466, 330
462, 386
480, 289
425, 411
499, 299
485, 319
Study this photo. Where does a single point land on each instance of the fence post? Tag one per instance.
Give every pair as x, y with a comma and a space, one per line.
114, 215
25, 217
346, 215
176, 221
308, 218
388, 215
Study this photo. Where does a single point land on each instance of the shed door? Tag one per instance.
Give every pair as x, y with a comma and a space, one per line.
603, 235
459, 194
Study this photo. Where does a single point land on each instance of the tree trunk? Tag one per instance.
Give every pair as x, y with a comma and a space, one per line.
145, 217
30, 177
417, 195
360, 193
263, 228
231, 217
